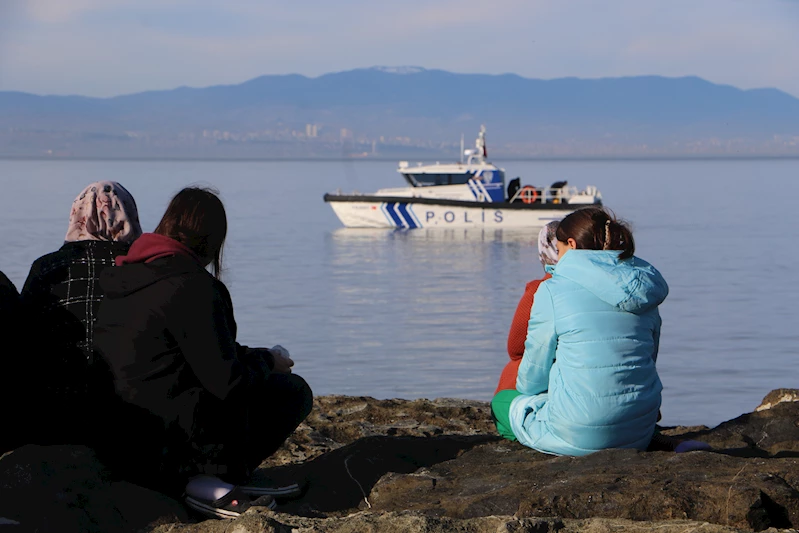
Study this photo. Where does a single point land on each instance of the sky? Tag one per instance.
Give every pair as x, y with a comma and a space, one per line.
110, 47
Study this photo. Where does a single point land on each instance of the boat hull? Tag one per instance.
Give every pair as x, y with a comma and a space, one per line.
360, 211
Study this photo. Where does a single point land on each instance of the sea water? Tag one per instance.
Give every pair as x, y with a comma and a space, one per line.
424, 313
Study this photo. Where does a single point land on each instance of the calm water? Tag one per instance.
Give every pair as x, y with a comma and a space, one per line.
426, 313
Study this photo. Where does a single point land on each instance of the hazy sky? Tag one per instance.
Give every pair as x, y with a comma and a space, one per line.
110, 47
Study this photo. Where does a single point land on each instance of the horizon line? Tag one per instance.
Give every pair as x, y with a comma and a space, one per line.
592, 158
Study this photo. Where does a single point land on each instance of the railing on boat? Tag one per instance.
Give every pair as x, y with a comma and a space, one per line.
548, 195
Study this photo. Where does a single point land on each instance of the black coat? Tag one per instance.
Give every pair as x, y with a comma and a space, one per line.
62, 295
9, 306
167, 333
13, 366
60, 299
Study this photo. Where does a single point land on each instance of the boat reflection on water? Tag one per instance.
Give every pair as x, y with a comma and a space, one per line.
442, 298
505, 235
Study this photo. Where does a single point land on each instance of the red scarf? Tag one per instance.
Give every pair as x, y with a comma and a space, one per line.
151, 246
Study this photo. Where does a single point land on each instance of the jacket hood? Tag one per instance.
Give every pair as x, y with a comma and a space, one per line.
135, 271
632, 285
152, 246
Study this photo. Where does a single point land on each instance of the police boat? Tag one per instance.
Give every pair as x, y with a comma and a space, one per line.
465, 194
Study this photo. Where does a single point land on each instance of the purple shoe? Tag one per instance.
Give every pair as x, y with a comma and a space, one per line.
691, 445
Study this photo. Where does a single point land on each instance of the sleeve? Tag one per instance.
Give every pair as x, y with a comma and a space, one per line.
518, 328
206, 334
255, 356
39, 307
7, 288
9, 303
32, 286
36, 297
539, 353
656, 336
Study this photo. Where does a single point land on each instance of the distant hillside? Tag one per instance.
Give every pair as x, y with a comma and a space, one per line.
384, 110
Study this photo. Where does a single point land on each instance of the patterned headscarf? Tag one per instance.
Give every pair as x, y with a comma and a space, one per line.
547, 247
104, 211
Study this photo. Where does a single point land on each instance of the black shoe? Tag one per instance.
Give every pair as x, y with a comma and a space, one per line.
662, 443
280, 491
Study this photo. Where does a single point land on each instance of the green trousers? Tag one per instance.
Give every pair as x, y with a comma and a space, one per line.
500, 410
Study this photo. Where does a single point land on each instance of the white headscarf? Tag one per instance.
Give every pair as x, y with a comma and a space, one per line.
104, 211
547, 244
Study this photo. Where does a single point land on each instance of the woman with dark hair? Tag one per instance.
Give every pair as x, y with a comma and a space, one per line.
61, 297
197, 412
587, 380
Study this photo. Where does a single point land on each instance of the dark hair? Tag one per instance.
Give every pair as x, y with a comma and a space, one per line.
594, 228
196, 217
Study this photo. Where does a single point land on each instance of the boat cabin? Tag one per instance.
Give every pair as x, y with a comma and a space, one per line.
476, 176
432, 175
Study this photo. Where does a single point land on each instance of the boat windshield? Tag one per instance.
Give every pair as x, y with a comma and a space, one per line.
426, 180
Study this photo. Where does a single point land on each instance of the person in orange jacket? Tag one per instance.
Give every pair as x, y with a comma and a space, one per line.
548, 254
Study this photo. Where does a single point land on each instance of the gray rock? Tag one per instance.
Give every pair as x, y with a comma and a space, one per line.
430, 466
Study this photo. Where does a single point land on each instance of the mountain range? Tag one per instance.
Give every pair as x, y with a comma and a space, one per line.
388, 110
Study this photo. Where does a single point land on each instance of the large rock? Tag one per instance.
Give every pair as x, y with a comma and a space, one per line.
381, 465
65, 489
339, 420
262, 521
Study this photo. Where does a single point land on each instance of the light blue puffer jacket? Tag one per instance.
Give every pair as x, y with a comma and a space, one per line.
588, 377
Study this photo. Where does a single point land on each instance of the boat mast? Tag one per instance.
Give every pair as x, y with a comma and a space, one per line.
480, 144
461, 148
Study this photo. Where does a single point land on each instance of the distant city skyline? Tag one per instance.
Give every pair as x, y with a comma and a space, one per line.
113, 47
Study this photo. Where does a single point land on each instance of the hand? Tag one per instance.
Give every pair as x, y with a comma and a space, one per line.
261, 358
283, 362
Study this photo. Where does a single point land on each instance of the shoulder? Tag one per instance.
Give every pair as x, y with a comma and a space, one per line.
95, 249
562, 293
196, 293
51, 260
559, 283
112, 247
533, 285
163, 279
201, 281
544, 288
190, 278
220, 288
48, 269
7, 287
71, 251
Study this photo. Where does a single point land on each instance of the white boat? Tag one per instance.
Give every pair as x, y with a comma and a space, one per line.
470, 194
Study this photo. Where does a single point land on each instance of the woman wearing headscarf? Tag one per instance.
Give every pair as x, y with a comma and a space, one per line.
588, 379
548, 255
506, 389
61, 297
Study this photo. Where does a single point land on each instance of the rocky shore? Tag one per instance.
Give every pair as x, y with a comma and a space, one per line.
439, 466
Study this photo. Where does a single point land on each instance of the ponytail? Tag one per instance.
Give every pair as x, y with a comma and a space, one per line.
619, 237
594, 228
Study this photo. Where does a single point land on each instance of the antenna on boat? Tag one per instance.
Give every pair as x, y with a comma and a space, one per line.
461, 148
480, 144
